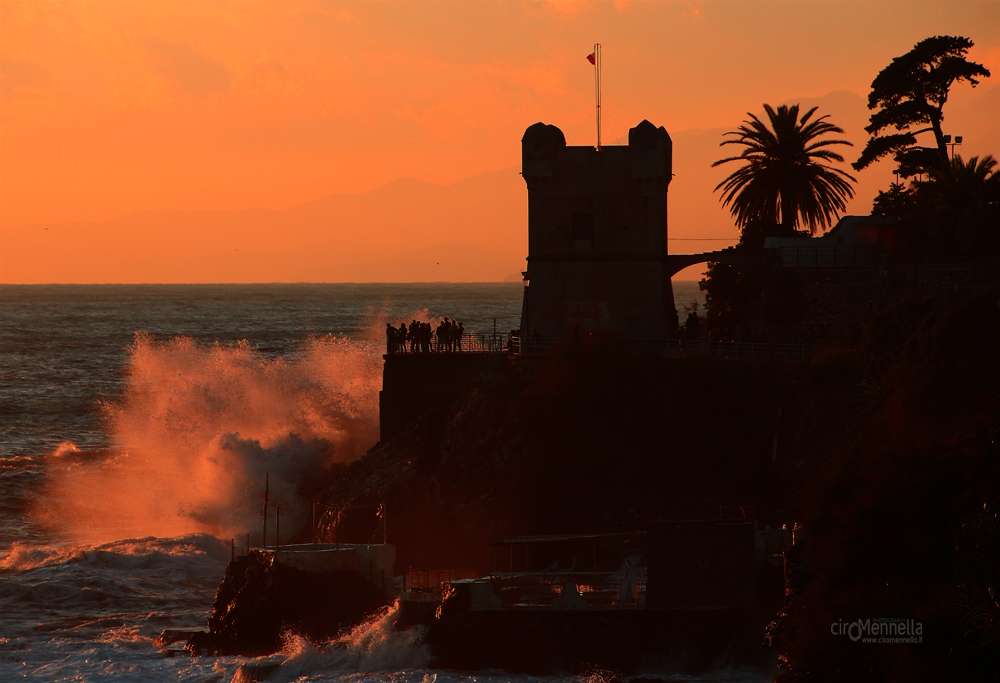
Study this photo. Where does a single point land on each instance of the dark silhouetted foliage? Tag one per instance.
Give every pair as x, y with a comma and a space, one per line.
955, 209
963, 198
755, 231
732, 294
898, 201
911, 92
785, 181
786, 177
903, 522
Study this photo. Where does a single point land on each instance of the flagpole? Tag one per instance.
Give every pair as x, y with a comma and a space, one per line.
597, 89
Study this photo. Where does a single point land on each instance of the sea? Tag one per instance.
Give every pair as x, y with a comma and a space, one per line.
137, 423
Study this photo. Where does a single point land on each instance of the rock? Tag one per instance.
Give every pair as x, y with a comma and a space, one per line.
259, 600
252, 673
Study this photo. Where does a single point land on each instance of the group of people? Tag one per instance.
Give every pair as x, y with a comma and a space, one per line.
420, 337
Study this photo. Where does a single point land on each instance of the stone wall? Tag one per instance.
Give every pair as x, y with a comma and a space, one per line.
413, 383
817, 305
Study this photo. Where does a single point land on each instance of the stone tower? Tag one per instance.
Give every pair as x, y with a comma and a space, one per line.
597, 235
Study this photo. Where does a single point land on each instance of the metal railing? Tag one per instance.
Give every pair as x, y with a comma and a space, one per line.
470, 342
541, 589
826, 256
845, 256
667, 348
432, 580
684, 348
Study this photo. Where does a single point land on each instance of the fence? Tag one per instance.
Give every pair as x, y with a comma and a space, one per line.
827, 256
685, 348
844, 256
432, 580
667, 348
470, 342
542, 589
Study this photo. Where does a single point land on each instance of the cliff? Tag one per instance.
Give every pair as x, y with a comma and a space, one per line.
599, 438
885, 452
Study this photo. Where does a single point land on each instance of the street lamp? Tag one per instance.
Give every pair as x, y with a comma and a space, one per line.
949, 143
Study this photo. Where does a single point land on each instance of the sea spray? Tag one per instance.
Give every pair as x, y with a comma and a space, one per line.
128, 553
198, 426
65, 348
372, 646
376, 645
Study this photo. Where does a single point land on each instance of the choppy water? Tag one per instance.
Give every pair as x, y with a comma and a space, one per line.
128, 462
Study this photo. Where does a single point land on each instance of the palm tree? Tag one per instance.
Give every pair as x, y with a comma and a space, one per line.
964, 196
786, 178
962, 187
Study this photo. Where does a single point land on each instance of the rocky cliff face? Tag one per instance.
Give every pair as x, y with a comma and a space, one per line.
901, 520
259, 600
887, 451
599, 438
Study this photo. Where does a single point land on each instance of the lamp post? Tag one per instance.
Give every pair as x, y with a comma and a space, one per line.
949, 143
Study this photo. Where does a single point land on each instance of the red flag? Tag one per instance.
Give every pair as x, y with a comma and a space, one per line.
590, 58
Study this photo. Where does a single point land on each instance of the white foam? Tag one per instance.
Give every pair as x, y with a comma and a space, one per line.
198, 428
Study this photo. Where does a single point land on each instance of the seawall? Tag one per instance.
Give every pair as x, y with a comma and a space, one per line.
414, 383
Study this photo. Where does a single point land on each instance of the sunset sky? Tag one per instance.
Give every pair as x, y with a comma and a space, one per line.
109, 109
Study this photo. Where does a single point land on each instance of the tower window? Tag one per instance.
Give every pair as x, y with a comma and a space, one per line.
583, 226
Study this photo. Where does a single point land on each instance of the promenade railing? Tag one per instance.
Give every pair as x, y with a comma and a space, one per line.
850, 256
685, 348
831, 255
666, 348
540, 589
470, 342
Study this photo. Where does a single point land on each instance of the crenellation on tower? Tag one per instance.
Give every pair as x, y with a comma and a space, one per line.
597, 235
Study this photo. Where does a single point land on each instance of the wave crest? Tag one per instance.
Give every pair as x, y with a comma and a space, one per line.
199, 426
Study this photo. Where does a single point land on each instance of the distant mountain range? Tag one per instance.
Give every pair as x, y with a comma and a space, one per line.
407, 230
411, 230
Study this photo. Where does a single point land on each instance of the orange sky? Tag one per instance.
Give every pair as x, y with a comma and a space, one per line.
112, 108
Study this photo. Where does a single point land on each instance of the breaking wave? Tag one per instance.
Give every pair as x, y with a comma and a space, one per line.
197, 429
371, 647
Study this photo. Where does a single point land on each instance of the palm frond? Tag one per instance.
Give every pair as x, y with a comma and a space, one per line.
786, 176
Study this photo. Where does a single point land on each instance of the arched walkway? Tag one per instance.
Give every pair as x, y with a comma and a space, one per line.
678, 262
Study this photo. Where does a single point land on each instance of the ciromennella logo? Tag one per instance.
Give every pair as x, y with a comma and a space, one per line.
880, 630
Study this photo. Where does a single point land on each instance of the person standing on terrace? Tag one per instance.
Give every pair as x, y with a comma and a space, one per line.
412, 335
390, 338
401, 337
